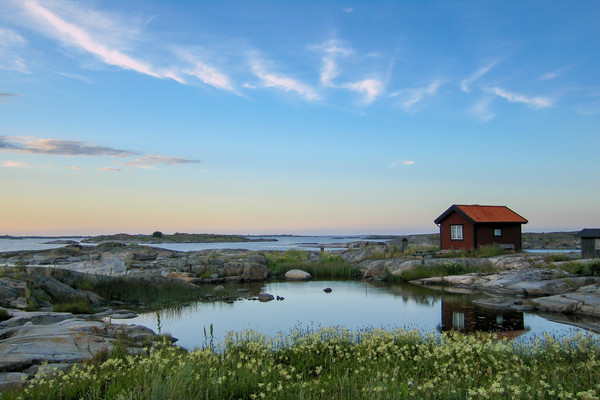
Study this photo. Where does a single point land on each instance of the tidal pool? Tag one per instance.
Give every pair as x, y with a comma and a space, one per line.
354, 305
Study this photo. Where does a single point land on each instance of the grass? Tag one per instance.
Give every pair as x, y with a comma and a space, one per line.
480, 252
446, 269
151, 292
582, 269
329, 266
393, 251
75, 307
337, 364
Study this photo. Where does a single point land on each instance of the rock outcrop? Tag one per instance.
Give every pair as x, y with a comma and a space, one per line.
297, 275
33, 341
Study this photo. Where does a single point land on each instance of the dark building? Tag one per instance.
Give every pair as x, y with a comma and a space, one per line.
590, 243
466, 317
471, 226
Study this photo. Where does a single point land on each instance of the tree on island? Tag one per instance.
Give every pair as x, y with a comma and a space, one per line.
157, 234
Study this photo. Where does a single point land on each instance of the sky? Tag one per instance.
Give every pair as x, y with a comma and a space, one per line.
296, 117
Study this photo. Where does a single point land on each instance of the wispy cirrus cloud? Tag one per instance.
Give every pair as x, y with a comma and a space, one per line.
534, 102
273, 80
199, 69
399, 163
370, 88
9, 41
107, 37
109, 169
411, 97
553, 74
151, 160
465, 83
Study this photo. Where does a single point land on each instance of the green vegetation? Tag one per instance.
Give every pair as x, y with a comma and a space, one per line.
445, 269
157, 234
329, 265
557, 257
151, 292
4, 315
480, 252
393, 251
75, 307
579, 268
337, 364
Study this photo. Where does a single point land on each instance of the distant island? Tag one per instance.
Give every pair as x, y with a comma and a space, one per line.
159, 237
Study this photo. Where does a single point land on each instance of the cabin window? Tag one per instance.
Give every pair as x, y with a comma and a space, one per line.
456, 232
458, 320
497, 232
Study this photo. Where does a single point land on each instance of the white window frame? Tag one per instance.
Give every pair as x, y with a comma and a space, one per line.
498, 232
456, 232
458, 320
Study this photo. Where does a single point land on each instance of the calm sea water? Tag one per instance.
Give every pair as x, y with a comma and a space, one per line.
280, 243
354, 305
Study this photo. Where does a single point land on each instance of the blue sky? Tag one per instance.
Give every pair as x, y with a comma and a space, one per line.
296, 117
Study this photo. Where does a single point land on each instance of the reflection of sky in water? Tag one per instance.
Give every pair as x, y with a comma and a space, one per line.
352, 304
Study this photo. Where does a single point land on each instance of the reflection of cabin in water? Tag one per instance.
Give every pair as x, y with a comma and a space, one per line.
471, 226
590, 243
467, 317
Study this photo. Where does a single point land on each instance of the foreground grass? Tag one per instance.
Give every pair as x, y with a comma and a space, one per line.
336, 364
328, 266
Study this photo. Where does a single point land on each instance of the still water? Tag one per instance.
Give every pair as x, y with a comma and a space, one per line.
351, 304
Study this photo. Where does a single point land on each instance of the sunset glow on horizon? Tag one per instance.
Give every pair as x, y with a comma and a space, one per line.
295, 117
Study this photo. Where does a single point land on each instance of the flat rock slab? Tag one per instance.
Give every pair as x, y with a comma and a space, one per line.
67, 341
11, 380
584, 301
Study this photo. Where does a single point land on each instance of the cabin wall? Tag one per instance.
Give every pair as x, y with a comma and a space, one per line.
511, 235
446, 242
590, 247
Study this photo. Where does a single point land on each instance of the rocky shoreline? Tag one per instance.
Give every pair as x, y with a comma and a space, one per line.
44, 339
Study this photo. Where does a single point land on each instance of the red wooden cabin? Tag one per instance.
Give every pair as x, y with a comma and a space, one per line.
471, 226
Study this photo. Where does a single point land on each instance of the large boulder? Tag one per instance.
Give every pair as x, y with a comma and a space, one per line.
297, 275
255, 272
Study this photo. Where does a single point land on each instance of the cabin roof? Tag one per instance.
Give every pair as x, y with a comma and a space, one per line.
476, 213
589, 233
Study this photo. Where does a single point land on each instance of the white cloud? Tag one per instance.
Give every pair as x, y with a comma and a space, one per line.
416, 95
74, 35
106, 36
398, 163
151, 160
481, 109
14, 164
553, 74
333, 50
465, 83
272, 80
109, 169
371, 88
9, 41
534, 102
206, 73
